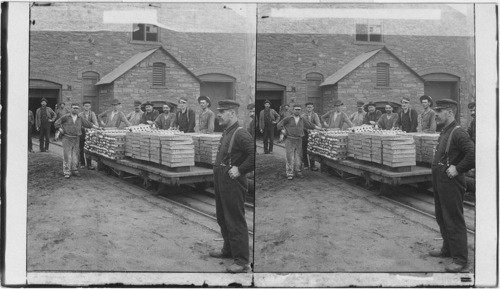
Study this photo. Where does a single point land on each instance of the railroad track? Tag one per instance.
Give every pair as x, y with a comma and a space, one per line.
200, 202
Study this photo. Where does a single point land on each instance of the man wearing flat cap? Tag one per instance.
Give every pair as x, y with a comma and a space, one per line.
268, 118
61, 110
454, 156
235, 158
135, 116
373, 115
357, 117
472, 126
251, 126
388, 119
44, 117
185, 118
407, 117
114, 117
313, 118
70, 126
293, 128
427, 119
206, 120
336, 118
166, 119
150, 115
88, 115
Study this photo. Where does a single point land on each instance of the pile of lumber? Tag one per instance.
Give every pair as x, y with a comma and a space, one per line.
166, 147
107, 143
205, 147
330, 144
425, 146
398, 151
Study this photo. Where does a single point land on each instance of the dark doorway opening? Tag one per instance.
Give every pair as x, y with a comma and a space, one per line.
217, 87
275, 96
36, 95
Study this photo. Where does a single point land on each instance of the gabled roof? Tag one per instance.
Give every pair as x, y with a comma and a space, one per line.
133, 61
356, 62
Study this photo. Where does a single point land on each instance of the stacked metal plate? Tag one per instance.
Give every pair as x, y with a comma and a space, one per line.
398, 151
177, 150
108, 143
330, 144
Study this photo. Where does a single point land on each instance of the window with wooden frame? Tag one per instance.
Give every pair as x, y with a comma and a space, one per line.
369, 31
382, 74
158, 74
89, 79
313, 79
145, 32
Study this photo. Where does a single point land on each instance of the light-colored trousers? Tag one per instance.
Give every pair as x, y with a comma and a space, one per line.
293, 148
71, 154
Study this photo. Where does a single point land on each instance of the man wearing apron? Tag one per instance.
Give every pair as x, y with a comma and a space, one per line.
235, 158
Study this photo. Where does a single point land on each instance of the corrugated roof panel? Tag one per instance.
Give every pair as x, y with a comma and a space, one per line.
349, 67
126, 66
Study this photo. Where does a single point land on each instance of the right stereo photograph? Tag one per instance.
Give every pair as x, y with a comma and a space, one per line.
365, 128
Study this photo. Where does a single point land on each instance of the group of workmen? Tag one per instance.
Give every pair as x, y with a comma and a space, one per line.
454, 155
235, 157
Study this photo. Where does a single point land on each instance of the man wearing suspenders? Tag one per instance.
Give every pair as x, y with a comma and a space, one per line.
235, 158
453, 158
185, 117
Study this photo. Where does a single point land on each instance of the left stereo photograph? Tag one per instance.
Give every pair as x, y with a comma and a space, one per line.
140, 138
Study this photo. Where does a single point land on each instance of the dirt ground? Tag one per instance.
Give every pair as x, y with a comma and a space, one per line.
94, 223
322, 224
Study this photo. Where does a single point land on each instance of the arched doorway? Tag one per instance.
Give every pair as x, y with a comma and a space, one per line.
39, 89
218, 87
273, 92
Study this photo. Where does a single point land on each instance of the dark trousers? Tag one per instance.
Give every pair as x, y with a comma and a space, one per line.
30, 142
83, 160
268, 137
230, 211
308, 161
43, 137
448, 202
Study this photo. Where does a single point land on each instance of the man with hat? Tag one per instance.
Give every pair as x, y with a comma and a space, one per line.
135, 116
114, 117
61, 110
235, 158
166, 119
150, 115
427, 119
357, 117
268, 118
206, 120
185, 118
313, 118
70, 126
89, 116
454, 156
293, 128
472, 126
407, 117
251, 112
373, 115
388, 119
336, 118
44, 117
285, 111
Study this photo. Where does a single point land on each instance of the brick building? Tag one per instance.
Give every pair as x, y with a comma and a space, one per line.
74, 54
296, 55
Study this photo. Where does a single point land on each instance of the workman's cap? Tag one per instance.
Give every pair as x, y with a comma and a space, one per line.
171, 104
391, 104
309, 103
445, 103
267, 101
43, 99
136, 103
337, 103
471, 105
183, 99
359, 103
206, 98
286, 104
115, 102
75, 104
405, 98
429, 99
87, 101
371, 104
297, 105
251, 106
228, 104
148, 103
